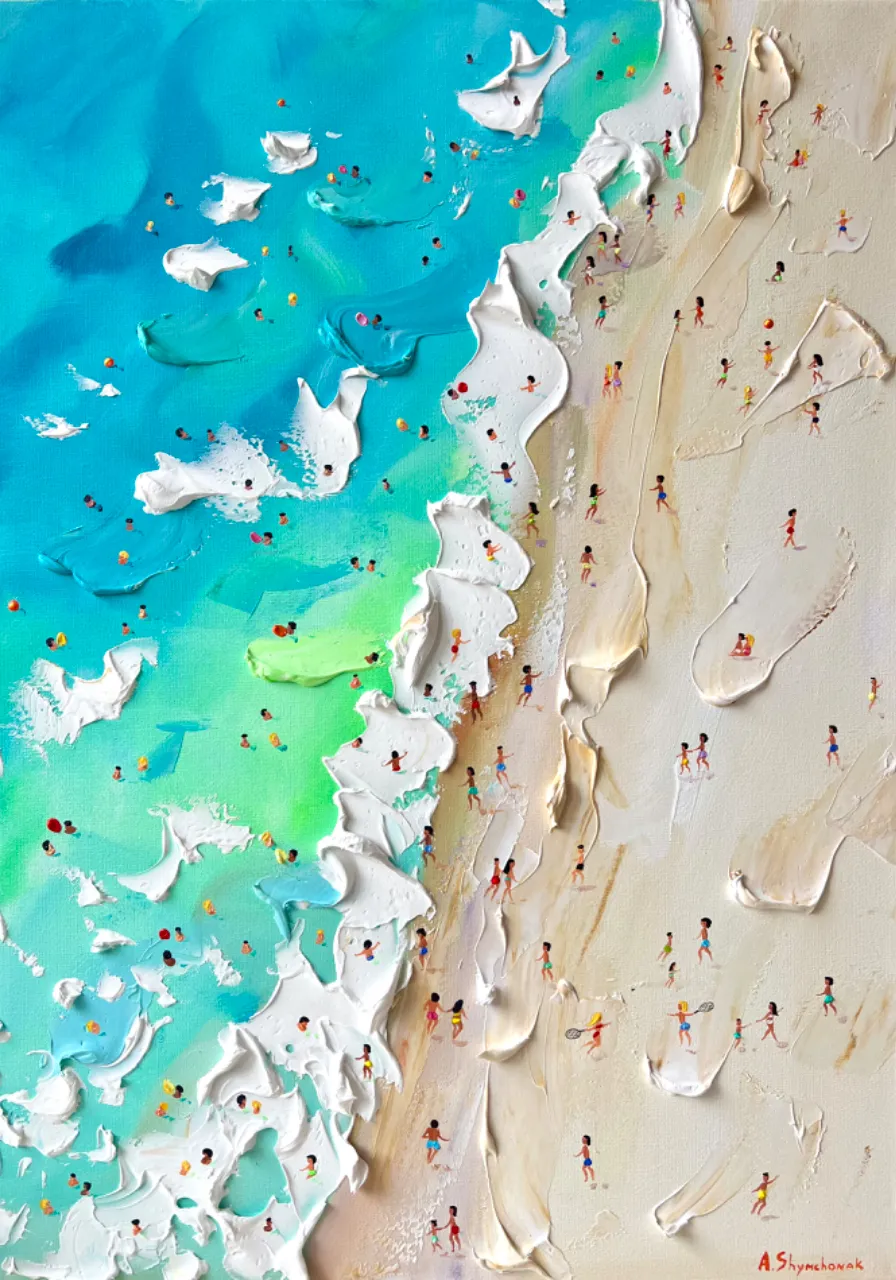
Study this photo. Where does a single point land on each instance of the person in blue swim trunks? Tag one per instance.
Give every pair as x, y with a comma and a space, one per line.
434, 1140
833, 748
587, 1162
684, 1027
501, 767
704, 948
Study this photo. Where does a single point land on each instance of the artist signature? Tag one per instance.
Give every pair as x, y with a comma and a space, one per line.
783, 1261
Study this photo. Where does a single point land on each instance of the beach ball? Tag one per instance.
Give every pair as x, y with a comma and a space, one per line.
520, 194
267, 839
265, 251
92, 1027
361, 318
292, 299
462, 387
13, 606
629, 72
150, 226
209, 907
768, 324
109, 362
281, 102
54, 825
513, 202
474, 154
164, 934
401, 424
142, 764
123, 557
343, 169
331, 177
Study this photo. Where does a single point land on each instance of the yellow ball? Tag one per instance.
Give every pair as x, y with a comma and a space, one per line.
293, 299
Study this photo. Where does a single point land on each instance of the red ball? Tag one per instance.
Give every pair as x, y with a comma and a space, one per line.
13, 606
164, 934
109, 362
462, 387
281, 102
54, 825
768, 324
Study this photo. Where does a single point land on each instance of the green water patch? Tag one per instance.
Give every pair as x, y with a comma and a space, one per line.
311, 660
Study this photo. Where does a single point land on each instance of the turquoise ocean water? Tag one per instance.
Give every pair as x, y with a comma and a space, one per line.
104, 107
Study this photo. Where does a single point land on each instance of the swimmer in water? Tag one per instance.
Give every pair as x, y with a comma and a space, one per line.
571, 217
828, 994
367, 949
727, 366
873, 691
547, 968
595, 493
509, 879
501, 767
530, 384
833, 749
505, 470
684, 1027
472, 790
310, 1169
587, 1162
578, 865
703, 935
527, 683
586, 560
490, 550
790, 526
761, 1194
394, 761
661, 495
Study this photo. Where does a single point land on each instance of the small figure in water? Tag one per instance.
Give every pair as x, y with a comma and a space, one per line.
828, 996
530, 383
761, 1193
